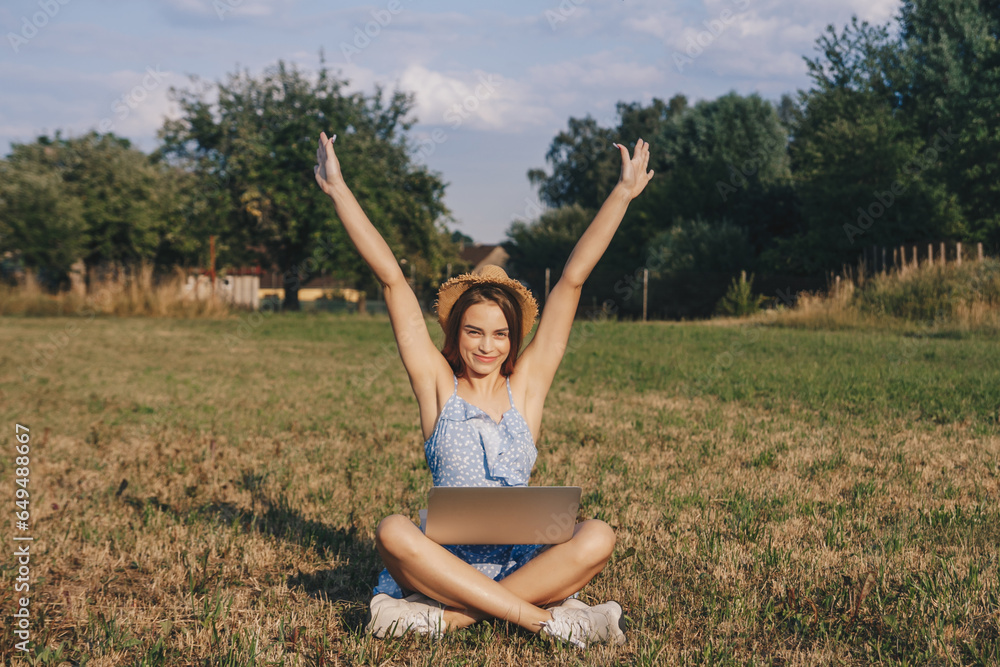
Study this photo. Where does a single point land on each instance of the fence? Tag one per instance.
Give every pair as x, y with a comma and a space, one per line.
881, 259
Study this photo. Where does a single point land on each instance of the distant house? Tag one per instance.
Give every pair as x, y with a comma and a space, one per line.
479, 254
314, 289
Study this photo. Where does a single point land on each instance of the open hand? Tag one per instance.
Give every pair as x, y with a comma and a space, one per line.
634, 176
327, 165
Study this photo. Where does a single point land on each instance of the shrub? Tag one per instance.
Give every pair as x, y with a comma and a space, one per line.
740, 300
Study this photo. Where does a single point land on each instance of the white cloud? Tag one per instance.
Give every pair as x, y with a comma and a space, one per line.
474, 99
761, 42
130, 103
186, 11
596, 81
660, 25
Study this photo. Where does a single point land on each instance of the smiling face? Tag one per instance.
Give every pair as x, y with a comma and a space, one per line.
484, 337
483, 331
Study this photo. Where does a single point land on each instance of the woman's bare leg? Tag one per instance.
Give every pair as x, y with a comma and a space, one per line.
554, 574
419, 564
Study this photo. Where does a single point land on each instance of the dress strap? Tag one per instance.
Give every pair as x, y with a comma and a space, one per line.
456, 382
510, 395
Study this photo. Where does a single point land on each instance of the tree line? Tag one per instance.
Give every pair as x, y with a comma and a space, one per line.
895, 142
239, 167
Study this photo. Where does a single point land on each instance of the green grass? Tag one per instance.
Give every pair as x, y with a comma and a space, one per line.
205, 494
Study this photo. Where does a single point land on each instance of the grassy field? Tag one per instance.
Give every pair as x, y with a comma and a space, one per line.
206, 491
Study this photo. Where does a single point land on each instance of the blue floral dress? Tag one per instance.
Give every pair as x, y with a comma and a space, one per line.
468, 448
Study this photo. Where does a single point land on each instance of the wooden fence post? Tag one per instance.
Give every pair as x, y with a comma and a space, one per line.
645, 291
958, 253
943, 260
979, 251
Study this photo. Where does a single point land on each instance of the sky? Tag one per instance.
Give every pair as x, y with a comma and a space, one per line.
493, 83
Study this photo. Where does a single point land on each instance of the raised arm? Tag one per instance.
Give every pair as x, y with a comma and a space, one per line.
545, 352
422, 360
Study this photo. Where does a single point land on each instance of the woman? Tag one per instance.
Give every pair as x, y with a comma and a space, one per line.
480, 407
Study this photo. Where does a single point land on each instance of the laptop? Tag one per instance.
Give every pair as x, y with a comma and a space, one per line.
501, 515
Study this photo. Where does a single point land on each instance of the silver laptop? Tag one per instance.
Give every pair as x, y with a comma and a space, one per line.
501, 515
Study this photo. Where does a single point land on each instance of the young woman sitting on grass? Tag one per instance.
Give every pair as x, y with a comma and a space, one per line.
480, 403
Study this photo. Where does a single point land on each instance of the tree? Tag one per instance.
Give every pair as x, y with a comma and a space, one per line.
255, 149
38, 220
723, 158
952, 53
862, 171
691, 263
696, 245
460, 238
93, 198
545, 242
583, 163
727, 158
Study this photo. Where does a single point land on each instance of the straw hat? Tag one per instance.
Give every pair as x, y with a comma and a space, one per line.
491, 274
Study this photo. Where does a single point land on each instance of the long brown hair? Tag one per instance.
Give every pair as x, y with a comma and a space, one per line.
483, 293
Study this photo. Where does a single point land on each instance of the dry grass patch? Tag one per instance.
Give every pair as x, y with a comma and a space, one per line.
195, 507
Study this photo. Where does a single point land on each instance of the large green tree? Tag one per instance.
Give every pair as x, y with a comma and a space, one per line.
724, 159
92, 197
863, 171
38, 220
727, 159
952, 54
254, 150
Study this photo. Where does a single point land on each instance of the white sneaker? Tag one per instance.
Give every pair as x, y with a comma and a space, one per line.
569, 603
394, 617
584, 626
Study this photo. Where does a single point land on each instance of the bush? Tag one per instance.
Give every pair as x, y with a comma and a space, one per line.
740, 300
933, 292
951, 299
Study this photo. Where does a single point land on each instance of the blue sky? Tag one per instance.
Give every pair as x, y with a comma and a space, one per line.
519, 70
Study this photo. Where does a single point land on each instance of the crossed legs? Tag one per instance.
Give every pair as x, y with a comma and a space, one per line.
419, 564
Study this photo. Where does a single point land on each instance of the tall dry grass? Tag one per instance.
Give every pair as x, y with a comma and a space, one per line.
129, 292
951, 299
